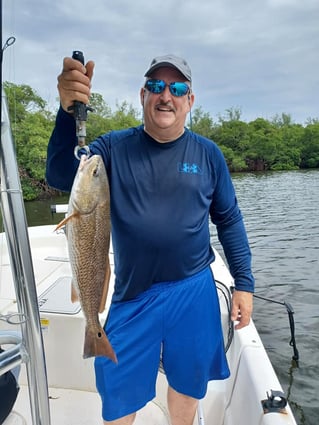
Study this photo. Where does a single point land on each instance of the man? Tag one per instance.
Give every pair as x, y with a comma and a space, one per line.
165, 183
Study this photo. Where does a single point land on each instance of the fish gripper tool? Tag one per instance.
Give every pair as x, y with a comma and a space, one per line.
80, 111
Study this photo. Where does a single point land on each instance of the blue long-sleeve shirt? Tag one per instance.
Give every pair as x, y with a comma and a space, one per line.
162, 195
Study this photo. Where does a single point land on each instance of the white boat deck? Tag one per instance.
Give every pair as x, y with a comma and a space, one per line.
72, 407
73, 397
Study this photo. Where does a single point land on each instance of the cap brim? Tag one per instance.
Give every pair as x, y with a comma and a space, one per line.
150, 71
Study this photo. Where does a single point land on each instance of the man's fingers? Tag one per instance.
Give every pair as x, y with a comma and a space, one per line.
242, 306
74, 82
70, 64
89, 69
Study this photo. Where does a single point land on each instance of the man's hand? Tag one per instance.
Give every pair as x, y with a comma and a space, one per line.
242, 308
74, 82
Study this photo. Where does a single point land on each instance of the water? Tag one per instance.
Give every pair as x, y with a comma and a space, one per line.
280, 212
281, 215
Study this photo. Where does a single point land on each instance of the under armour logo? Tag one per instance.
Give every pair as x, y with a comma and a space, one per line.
186, 167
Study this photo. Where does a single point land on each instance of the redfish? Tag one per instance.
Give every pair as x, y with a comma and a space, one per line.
88, 229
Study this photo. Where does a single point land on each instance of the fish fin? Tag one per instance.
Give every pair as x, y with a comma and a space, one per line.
74, 294
96, 344
105, 287
65, 220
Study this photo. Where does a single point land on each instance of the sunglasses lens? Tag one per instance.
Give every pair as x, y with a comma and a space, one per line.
155, 86
178, 88
158, 86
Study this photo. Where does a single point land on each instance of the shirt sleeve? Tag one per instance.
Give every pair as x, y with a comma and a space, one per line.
61, 163
227, 217
235, 244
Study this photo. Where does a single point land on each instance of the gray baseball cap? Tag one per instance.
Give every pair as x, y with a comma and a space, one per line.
172, 61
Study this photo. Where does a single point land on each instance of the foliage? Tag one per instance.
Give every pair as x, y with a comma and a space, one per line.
310, 146
103, 120
31, 126
202, 122
277, 144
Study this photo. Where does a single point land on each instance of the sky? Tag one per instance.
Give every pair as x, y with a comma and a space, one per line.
257, 56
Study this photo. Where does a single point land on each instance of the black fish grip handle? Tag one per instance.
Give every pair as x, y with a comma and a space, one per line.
80, 111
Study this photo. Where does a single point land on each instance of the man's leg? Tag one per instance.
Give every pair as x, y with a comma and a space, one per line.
126, 420
134, 330
182, 408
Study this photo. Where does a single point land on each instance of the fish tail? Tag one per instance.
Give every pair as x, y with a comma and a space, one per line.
96, 344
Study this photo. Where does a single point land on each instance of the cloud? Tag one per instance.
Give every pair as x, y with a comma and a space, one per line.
259, 56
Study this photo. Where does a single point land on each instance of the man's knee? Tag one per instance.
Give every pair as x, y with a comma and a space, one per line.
182, 408
125, 420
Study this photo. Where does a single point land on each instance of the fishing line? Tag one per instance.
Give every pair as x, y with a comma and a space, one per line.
297, 407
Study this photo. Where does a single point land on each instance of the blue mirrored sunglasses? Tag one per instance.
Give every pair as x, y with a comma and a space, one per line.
177, 88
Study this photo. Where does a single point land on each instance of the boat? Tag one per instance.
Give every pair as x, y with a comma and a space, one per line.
252, 395
43, 332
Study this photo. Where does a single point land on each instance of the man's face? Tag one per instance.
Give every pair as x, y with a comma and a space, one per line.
164, 113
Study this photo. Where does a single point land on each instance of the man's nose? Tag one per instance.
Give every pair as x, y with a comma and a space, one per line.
166, 94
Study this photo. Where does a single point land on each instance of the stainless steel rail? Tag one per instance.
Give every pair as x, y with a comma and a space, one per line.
16, 229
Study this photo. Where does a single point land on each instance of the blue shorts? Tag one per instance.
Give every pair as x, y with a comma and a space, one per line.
181, 319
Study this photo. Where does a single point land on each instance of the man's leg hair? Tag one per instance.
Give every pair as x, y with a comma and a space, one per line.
182, 410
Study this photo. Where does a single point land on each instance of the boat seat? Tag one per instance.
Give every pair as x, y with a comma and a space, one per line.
14, 419
14, 340
10, 337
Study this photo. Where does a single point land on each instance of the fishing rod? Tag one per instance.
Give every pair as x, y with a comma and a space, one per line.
290, 312
227, 293
31, 348
9, 42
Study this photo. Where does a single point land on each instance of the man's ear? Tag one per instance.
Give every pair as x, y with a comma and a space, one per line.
190, 98
142, 94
